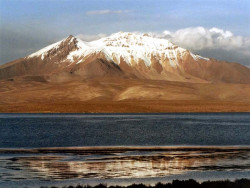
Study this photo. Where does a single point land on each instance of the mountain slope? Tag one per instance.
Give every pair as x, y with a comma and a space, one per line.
125, 55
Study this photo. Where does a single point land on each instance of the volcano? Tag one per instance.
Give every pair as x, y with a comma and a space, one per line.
124, 67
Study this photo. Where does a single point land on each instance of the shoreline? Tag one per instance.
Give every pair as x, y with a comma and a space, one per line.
119, 113
126, 107
175, 183
238, 183
126, 148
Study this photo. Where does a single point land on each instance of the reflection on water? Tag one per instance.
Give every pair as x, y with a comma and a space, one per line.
106, 163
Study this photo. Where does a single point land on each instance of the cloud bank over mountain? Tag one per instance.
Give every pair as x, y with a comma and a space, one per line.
214, 42
198, 38
89, 38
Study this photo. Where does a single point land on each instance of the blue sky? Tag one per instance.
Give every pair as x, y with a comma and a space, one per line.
28, 25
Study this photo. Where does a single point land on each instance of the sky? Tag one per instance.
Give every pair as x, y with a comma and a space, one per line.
211, 28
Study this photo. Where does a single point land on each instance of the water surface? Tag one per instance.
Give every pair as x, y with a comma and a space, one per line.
67, 149
63, 130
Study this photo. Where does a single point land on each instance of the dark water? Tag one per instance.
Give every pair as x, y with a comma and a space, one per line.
67, 149
62, 130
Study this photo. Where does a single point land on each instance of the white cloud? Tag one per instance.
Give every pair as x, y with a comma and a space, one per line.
210, 42
98, 12
198, 38
88, 38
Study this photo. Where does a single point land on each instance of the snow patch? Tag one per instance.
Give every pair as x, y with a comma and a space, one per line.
45, 50
200, 57
197, 57
81, 48
78, 61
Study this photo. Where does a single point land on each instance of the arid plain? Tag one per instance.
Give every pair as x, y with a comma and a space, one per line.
34, 94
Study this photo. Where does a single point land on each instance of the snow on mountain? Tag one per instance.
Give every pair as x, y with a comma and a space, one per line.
129, 46
137, 56
82, 48
45, 50
137, 46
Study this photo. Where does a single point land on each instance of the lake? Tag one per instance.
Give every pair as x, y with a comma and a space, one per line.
67, 149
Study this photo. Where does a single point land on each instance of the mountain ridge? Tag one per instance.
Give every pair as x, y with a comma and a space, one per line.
131, 55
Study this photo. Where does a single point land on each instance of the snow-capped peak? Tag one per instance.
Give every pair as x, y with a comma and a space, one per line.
79, 44
131, 47
135, 47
